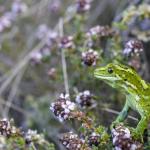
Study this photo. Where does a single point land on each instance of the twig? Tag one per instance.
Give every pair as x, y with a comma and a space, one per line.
13, 92
15, 107
116, 112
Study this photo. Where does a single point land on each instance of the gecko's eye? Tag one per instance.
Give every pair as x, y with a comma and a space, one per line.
110, 70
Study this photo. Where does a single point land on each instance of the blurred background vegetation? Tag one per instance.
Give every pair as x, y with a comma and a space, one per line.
29, 83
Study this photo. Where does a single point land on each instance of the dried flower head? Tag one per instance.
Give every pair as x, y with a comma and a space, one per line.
71, 141
133, 47
66, 42
122, 139
85, 120
94, 139
85, 99
63, 107
83, 5
90, 57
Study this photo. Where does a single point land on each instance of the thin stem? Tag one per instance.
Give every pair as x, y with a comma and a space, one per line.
63, 59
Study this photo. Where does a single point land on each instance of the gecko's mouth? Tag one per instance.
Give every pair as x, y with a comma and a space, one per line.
100, 76
104, 77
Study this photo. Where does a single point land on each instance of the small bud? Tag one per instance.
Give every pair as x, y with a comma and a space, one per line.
90, 57
52, 73
36, 57
83, 5
85, 99
66, 42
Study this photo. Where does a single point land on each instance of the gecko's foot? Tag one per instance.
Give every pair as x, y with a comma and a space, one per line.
115, 124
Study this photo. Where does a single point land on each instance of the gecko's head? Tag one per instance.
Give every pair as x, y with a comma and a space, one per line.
117, 75
109, 72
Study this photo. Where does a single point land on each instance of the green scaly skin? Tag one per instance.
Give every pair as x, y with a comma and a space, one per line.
136, 90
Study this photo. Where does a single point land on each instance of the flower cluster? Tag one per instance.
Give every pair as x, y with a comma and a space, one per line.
71, 141
100, 31
55, 6
43, 32
122, 139
94, 139
5, 21
32, 135
18, 7
9, 134
96, 33
90, 57
133, 47
63, 107
83, 5
85, 99
66, 42
36, 57
7, 18
6, 128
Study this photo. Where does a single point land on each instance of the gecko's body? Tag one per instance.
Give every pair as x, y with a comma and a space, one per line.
136, 90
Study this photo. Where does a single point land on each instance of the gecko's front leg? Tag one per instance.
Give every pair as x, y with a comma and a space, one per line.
122, 115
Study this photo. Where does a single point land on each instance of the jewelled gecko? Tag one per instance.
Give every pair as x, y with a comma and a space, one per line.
136, 90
